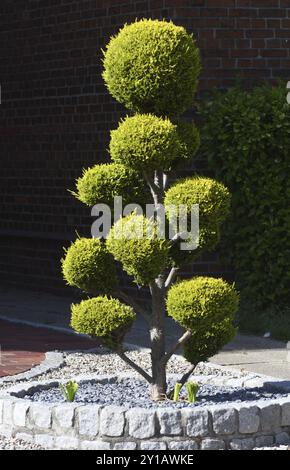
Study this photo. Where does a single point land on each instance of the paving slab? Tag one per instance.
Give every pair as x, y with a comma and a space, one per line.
23, 347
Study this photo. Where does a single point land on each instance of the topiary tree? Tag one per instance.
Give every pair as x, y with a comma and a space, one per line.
152, 67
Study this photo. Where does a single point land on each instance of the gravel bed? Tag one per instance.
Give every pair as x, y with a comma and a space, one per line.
133, 392
273, 448
16, 444
104, 362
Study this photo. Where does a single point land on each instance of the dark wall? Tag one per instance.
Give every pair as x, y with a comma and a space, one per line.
55, 113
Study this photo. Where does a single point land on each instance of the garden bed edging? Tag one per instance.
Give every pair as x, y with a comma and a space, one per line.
237, 426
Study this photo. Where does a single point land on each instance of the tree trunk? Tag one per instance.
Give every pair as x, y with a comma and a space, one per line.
159, 384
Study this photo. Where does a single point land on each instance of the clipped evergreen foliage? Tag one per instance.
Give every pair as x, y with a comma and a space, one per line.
134, 242
89, 266
189, 138
213, 200
104, 318
101, 183
152, 66
145, 142
206, 342
212, 197
205, 299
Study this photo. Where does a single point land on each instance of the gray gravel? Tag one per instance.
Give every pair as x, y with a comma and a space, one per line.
273, 448
104, 362
16, 444
134, 392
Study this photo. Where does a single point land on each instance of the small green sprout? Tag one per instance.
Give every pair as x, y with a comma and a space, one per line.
192, 389
177, 389
69, 390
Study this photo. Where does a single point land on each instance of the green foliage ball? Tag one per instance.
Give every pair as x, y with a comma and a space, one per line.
213, 200
212, 197
206, 342
201, 301
145, 142
134, 242
152, 66
102, 317
89, 266
101, 183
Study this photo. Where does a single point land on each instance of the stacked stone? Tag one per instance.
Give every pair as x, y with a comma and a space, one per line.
72, 426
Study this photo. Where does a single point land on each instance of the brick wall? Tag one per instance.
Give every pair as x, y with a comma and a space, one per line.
56, 115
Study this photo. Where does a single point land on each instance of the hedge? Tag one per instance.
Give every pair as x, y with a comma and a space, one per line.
246, 137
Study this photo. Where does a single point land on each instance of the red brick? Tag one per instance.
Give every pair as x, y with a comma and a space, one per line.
272, 13
57, 114
274, 63
274, 53
274, 24
244, 53
243, 12
215, 12
260, 33
274, 44
265, 3
235, 34
258, 24
244, 63
285, 23
244, 3
243, 43
220, 3
189, 12
282, 33
23, 347
258, 43
229, 63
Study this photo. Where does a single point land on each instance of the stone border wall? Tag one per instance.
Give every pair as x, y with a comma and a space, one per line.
72, 426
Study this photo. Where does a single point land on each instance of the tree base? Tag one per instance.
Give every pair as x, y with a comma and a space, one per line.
158, 392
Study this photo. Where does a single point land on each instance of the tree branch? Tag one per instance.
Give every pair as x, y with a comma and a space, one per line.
134, 366
153, 187
179, 343
177, 237
159, 180
187, 374
171, 277
165, 181
135, 306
